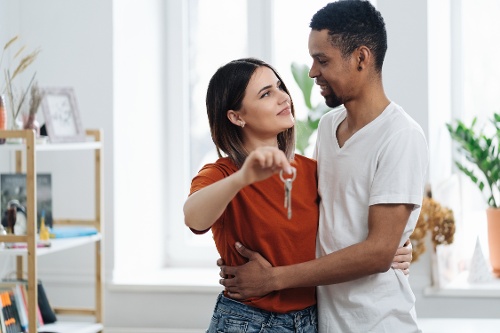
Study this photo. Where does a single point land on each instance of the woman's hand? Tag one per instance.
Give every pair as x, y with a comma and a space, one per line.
403, 257
262, 163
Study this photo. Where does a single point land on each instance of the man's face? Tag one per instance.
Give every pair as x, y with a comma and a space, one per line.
333, 73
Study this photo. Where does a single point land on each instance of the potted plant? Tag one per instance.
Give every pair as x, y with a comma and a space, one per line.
482, 151
305, 128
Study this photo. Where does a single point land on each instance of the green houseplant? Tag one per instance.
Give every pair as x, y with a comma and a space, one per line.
482, 150
305, 128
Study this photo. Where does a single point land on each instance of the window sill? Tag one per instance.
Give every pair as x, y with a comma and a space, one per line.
174, 280
460, 287
206, 280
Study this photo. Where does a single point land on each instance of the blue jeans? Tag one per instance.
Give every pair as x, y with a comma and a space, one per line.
231, 316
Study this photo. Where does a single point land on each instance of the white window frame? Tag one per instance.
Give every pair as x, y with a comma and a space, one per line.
178, 252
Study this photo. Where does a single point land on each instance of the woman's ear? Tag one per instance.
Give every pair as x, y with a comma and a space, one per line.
235, 118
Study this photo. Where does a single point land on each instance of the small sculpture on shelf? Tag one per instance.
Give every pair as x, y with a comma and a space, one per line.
14, 219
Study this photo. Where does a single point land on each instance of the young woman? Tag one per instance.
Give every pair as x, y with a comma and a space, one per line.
241, 197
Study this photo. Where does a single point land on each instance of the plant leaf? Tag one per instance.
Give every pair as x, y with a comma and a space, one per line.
303, 132
305, 83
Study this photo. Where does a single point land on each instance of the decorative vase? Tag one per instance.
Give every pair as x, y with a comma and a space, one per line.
15, 124
493, 217
3, 117
30, 122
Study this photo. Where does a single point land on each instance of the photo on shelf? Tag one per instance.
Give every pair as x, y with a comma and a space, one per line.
62, 118
13, 188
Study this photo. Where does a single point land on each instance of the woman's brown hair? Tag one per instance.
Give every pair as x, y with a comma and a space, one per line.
226, 91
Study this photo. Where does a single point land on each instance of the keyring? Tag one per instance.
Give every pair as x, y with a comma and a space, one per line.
294, 175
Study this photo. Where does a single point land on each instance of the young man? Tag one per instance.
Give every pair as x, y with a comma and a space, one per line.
372, 162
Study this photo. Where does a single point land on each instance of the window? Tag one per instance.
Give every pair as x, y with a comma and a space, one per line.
216, 34
473, 80
291, 34
220, 31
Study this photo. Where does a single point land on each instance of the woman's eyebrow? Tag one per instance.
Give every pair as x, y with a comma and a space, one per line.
269, 86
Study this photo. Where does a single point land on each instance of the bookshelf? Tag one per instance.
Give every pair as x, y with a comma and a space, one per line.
25, 161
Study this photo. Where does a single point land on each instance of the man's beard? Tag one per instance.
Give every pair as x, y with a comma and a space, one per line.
332, 100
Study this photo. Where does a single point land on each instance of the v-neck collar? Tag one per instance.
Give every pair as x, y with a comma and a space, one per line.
361, 130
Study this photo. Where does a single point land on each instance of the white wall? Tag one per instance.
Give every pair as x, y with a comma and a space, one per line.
77, 40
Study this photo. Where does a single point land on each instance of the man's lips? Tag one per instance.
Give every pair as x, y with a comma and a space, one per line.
324, 88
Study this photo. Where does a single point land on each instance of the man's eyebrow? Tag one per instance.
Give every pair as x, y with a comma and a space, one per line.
319, 54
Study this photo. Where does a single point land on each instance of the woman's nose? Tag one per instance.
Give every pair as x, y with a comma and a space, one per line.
286, 98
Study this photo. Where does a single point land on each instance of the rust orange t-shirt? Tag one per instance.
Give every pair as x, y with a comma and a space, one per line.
258, 219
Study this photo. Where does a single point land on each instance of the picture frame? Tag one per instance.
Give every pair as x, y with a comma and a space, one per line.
62, 117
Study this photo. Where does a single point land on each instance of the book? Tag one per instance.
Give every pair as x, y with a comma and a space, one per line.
19, 287
15, 311
21, 307
13, 187
24, 245
24, 294
3, 328
9, 312
71, 231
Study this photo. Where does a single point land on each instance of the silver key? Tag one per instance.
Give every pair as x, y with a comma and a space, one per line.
288, 197
288, 191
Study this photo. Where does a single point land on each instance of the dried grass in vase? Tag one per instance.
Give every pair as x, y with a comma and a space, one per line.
16, 97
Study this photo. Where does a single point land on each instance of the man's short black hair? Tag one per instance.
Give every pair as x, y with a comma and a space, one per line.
351, 24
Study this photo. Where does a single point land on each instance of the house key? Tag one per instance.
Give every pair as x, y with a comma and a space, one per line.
288, 191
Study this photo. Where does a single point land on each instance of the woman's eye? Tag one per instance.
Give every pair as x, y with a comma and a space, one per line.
265, 94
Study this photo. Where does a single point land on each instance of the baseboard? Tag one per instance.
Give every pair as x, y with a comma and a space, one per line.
151, 330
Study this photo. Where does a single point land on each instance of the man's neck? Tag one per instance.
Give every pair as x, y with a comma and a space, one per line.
366, 108
361, 112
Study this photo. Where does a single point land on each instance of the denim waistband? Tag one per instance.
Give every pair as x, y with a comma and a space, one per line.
255, 315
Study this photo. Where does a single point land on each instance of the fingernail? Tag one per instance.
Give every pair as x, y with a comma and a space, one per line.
238, 244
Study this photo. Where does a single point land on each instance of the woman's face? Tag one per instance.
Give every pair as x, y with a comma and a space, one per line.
266, 107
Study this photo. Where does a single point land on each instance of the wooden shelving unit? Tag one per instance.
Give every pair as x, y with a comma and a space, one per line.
29, 148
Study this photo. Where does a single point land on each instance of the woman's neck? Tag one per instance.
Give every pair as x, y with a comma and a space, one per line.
252, 144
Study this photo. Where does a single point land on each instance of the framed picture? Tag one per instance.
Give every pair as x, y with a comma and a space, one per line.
62, 119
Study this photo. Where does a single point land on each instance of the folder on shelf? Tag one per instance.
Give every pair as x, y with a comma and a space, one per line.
72, 231
43, 308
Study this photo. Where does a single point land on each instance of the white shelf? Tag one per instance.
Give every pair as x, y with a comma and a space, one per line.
459, 325
460, 287
56, 245
70, 146
25, 150
71, 327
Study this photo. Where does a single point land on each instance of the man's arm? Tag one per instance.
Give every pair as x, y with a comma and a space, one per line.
386, 223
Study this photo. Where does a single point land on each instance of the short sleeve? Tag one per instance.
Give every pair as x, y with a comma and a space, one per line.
401, 169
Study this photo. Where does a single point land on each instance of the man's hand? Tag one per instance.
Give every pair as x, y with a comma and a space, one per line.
403, 258
252, 279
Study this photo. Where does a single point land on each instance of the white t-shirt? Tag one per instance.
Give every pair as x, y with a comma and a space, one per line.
384, 162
